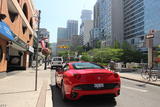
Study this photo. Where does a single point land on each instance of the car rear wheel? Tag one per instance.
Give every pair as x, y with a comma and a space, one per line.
63, 92
52, 68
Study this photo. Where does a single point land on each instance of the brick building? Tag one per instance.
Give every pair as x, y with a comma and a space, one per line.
16, 34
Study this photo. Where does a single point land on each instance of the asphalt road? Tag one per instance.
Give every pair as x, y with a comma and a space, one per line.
133, 94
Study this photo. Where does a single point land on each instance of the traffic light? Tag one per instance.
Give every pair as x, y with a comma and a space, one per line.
63, 46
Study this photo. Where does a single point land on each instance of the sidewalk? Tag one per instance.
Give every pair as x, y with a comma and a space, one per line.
137, 77
18, 89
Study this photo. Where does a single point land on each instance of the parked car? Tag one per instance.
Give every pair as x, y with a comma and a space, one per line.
77, 79
56, 62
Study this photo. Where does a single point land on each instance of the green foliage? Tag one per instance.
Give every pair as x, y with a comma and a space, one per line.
132, 55
104, 55
79, 49
103, 64
116, 44
63, 54
126, 45
98, 44
86, 57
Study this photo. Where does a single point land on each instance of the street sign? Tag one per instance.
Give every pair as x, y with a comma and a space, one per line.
149, 42
150, 36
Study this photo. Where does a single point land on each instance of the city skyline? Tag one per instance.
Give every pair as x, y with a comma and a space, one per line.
56, 14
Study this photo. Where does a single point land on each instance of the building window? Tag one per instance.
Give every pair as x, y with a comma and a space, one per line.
1, 53
30, 37
25, 10
132, 41
24, 29
13, 14
142, 37
31, 22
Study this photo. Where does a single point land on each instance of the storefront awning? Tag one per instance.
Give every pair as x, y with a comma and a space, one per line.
18, 47
6, 31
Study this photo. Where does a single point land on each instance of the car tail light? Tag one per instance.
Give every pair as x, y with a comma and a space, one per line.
77, 76
116, 75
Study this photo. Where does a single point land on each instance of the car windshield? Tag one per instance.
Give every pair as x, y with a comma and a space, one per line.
86, 66
57, 59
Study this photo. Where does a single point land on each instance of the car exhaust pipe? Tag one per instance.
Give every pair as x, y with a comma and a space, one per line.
74, 94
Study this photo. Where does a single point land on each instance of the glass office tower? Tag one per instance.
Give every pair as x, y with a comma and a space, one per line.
140, 16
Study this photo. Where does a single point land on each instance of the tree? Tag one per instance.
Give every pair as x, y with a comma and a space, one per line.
126, 45
86, 57
116, 44
133, 55
104, 55
63, 54
79, 49
98, 44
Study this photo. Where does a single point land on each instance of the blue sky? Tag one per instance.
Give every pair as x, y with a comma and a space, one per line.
55, 13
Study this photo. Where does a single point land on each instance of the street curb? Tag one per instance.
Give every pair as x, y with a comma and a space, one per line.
42, 95
140, 81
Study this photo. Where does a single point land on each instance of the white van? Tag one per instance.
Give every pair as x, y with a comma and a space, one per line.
56, 62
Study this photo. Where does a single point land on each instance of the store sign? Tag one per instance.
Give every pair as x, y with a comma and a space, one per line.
31, 49
6, 31
20, 42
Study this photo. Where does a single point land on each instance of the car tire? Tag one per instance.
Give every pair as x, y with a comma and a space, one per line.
63, 93
51, 67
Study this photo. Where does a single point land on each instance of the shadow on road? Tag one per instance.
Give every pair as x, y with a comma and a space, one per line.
89, 101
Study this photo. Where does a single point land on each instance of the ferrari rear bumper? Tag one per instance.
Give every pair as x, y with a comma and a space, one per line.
76, 94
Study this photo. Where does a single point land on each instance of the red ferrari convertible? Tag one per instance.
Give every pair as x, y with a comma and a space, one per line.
79, 79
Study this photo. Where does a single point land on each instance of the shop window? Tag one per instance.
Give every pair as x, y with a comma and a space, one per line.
1, 53
25, 10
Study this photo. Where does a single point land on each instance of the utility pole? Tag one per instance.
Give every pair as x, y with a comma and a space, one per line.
39, 13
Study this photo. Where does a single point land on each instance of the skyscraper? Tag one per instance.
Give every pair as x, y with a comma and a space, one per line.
61, 34
108, 18
53, 48
86, 15
85, 29
86, 26
72, 28
140, 16
62, 37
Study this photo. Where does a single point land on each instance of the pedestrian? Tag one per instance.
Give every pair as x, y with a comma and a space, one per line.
112, 65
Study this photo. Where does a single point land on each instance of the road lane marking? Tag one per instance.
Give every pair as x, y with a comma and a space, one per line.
136, 89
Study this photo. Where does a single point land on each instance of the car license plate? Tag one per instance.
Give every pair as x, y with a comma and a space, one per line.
98, 85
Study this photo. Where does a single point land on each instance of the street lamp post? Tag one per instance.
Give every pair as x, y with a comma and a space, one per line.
39, 12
